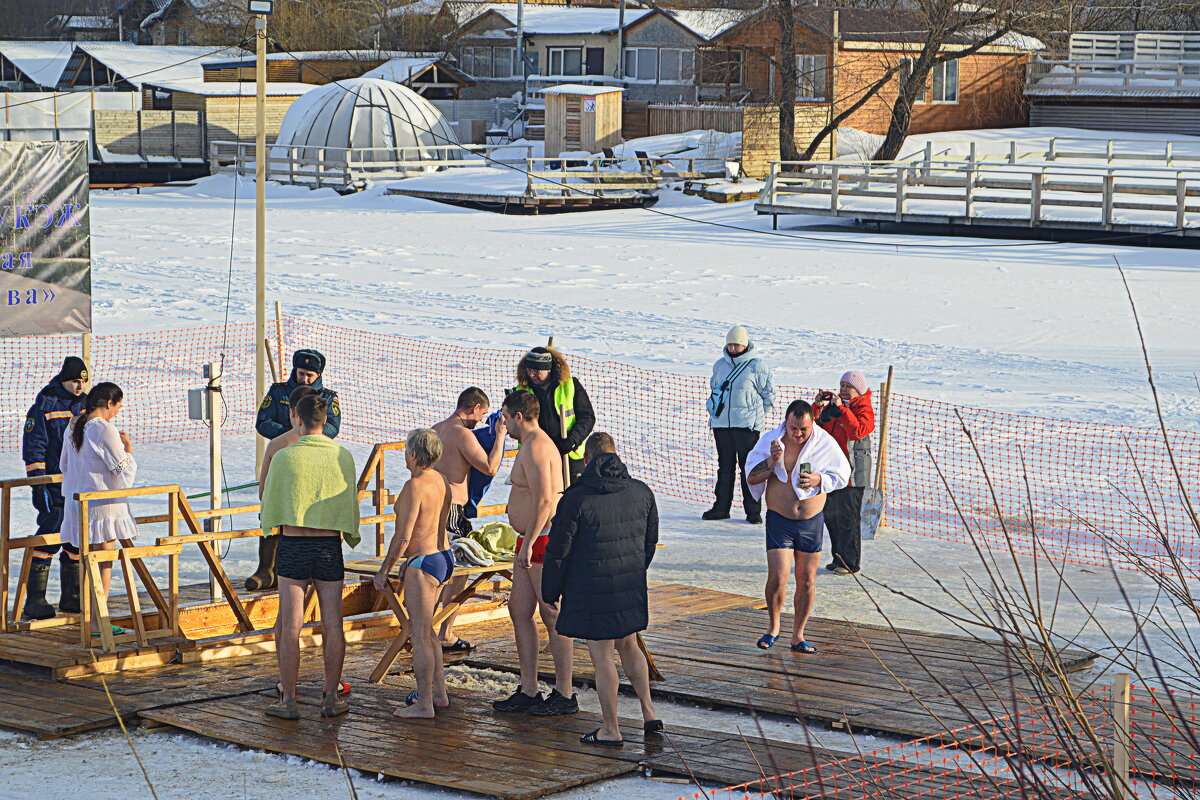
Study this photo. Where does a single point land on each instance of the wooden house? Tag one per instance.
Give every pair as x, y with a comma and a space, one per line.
652, 54
124, 67
582, 118
840, 52
226, 109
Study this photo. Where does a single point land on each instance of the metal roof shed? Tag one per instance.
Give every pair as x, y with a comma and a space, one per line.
582, 117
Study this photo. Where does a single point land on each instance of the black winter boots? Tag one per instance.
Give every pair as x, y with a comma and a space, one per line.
68, 576
36, 606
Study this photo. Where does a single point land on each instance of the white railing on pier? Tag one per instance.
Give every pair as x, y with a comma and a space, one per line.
983, 192
1112, 76
1058, 149
352, 166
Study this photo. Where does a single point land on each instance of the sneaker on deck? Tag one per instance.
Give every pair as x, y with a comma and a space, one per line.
713, 513
518, 701
555, 705
754, 518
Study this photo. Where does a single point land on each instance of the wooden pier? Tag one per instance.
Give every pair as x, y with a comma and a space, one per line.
702, 640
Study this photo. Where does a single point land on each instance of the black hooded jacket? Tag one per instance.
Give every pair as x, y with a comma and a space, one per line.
601, 544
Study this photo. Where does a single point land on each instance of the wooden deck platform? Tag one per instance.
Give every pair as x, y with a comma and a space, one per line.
866, 677
703, 641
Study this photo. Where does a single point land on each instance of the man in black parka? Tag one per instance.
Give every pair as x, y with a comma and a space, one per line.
601, 543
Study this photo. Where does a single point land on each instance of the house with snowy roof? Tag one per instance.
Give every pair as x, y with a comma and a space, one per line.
651, 52
81, 27
840, 52
1119, 80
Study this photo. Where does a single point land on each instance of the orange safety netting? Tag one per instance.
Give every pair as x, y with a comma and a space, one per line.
987, 761
1068, 490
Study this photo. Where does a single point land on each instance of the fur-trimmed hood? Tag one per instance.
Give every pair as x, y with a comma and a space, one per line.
559, 374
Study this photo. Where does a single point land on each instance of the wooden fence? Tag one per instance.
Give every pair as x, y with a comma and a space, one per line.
179, 135
680, 118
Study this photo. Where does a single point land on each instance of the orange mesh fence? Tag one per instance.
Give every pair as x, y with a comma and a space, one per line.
1165, 732
1083, 493
989, 761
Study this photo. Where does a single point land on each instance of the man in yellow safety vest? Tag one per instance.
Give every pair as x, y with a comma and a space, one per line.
544, 372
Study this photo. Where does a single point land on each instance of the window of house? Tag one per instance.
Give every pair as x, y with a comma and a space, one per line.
945, 82
810, 77
503, 59
676, 65
902, 74
641, 64
490, 62
565, 60
718, 67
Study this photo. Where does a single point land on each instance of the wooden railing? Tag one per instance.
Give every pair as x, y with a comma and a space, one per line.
350, 166
585, 177
1057, 149
372, 486
953, 188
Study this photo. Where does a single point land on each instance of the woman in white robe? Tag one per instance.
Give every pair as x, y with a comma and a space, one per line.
97, 456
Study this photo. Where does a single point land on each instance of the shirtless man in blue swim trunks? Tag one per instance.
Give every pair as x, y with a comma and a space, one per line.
798, 464
421, 513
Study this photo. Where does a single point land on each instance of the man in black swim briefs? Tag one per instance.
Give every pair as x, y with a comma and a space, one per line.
797, 464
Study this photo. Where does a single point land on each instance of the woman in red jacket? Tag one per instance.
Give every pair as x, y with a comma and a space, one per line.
847, 416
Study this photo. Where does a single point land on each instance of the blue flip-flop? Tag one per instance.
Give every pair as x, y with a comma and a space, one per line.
804, 647
411, 698
767, 641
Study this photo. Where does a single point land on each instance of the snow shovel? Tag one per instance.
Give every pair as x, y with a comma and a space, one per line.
874, 498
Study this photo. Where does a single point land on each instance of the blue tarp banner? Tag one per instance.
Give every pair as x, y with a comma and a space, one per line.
45, 239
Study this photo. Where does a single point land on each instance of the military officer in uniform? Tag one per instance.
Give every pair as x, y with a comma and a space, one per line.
274, 420
41, 443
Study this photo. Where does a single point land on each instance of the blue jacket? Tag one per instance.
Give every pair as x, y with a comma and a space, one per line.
744, 401
273, 415
44, 431
478, 482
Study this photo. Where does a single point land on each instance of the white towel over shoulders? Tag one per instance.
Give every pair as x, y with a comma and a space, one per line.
821, 452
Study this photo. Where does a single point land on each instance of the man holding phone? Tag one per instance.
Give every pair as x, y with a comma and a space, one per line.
796, 465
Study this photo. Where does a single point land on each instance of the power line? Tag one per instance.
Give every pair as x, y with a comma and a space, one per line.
725, 225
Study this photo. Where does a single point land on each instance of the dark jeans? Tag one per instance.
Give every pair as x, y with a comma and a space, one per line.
733, 445
842, 513
48, 500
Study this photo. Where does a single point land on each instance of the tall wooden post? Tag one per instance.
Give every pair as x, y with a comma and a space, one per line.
212, 371
1121, 737
260, 225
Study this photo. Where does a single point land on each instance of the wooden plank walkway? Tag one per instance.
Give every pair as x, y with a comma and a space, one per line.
866, 677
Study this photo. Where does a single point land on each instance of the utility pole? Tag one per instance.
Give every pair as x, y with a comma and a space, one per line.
260, 224
521, 58
621, 41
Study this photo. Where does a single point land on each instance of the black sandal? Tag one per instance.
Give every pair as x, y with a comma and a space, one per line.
653, 727
590, 738
461, 646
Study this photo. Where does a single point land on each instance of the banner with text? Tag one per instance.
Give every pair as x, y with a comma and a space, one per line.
45, 240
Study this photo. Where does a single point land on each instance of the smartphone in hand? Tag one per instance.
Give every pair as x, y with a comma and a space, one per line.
805, 467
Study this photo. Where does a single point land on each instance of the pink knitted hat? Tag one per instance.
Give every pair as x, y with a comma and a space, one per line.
857, 380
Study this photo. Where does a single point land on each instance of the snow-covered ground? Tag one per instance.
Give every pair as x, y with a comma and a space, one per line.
1024, 327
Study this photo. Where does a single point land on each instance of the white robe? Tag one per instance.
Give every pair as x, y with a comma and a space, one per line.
821, 452
100, 464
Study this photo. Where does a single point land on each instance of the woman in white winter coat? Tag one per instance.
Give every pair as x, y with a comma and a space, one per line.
97, 456
741, 396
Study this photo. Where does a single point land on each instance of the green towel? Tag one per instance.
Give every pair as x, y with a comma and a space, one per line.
499, 540
313, 484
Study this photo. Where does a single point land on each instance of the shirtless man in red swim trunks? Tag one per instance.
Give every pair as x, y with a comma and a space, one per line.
537, 482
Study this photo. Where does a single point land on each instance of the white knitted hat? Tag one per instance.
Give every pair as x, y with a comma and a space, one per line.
737, 335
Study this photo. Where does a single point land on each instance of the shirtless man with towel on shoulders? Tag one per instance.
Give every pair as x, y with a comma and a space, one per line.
797, 464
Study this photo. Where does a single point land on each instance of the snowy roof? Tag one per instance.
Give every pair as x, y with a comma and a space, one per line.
554, 20
42, 62
312, 55
138, 64
229, 88
579, 88
163, 6
80, 22
708, 23
401, 68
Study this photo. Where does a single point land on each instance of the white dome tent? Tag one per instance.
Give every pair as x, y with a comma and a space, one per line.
365, 126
